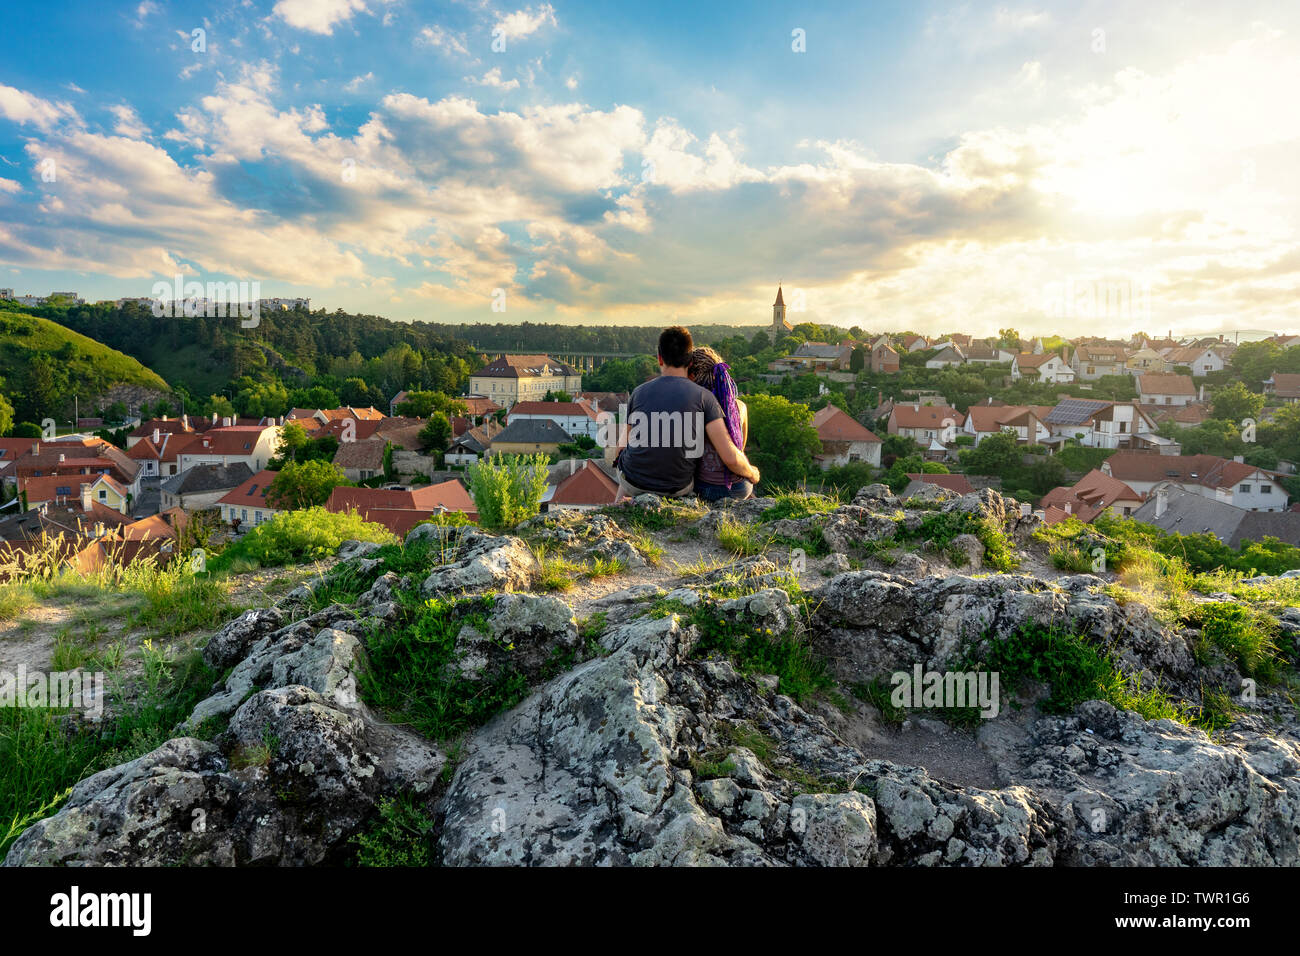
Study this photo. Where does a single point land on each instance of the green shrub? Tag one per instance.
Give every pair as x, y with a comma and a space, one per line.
507, 488
293, 537
403, 835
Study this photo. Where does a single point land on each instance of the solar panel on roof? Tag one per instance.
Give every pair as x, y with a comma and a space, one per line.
1075, 411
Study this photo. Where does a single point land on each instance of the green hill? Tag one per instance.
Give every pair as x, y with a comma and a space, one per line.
44, 366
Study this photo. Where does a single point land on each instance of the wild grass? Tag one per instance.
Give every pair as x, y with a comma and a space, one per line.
738, 538
799, 504
43, 752
412, 675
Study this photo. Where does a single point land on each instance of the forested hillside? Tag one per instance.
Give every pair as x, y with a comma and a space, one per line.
49, 371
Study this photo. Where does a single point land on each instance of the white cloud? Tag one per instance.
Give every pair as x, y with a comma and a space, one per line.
128, 122
524, 23
357, 82
493, 79
318, 16
23, 107
143, 11
444, 40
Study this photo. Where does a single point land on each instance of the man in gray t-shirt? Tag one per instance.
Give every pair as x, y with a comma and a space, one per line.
668, 421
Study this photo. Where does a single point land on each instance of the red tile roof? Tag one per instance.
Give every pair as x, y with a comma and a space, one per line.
557, 409
479, 405
958, 483
1153, 384
1286, 385
142, 450
447, 494
927, 416
1208, 470
835, 424
237, 440
252, 493
993, 418
1091, 495
1030, 360
589, 485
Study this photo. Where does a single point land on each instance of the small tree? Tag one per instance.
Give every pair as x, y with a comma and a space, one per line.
304, 484
1236, 402
293, 439
507, 488
436, 433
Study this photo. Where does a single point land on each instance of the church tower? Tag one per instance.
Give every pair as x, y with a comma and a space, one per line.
779, 325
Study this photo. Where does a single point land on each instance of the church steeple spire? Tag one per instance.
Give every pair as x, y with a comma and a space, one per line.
779, 325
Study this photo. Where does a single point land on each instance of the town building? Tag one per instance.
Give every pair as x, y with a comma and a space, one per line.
245, 505
1156, 389
520, 378
844, 439
1230, 481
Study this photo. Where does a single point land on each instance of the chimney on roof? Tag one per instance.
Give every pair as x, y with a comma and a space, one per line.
62, 458
225, 423
85, 496
1069, 508
1162, 501
157, 437
214, 418
1239, 459
916, 405
36, 448
1202, 395
185, 421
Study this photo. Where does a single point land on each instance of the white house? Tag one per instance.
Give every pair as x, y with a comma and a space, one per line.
1165, 389
1232, 481
985, 420
946, 358
1091, 362
253, 445
576, 418
1048, 367
844, 439
926, 423
1202, 361
247, 503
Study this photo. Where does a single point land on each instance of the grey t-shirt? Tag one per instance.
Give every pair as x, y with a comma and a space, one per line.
666, 418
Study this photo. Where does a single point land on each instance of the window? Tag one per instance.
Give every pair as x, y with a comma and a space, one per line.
243, 514
103, 495
1245, 489
1265, 489
63, 490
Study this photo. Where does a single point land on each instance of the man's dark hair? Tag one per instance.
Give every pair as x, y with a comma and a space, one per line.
675, 346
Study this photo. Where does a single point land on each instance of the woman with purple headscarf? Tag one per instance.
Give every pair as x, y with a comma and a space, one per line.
713, 481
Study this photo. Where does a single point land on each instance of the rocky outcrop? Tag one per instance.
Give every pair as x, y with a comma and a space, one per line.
638, 742
474, 561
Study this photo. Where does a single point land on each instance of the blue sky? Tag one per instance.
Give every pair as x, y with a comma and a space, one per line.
926, 166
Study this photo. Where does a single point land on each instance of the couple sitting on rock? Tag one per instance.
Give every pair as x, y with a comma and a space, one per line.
685, 431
